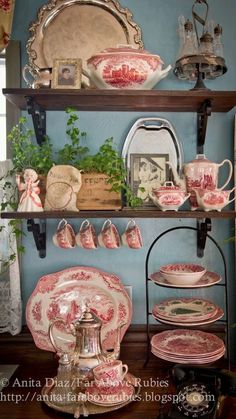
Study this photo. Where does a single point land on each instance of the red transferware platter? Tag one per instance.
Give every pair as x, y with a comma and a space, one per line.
185, 309
187, 343
207, 280
64, 294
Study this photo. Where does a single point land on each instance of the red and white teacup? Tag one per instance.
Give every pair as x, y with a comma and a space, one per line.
110, 373
132, 236
109, 236
86, 237
64, 236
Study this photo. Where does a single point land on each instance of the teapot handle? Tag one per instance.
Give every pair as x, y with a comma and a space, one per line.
51, 333
233, 199
230, 172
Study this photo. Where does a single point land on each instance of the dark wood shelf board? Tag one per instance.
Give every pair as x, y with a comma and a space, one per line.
123, 100
125, 213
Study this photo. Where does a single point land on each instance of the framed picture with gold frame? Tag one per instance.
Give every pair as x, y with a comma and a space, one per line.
66, 74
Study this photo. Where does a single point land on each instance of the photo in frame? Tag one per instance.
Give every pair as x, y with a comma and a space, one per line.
66, 74
148, 172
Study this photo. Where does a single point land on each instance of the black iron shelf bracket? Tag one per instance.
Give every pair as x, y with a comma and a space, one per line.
39, 234
202, 117
39, 119
203, 227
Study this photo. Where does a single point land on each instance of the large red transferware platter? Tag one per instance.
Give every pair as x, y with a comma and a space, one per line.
64, 295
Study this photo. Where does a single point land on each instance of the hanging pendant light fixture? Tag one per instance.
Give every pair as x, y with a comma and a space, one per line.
200, 57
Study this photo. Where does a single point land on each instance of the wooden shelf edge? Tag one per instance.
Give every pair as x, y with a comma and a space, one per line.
122, 100
124, 213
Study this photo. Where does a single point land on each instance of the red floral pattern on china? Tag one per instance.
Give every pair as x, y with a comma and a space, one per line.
196, 308
187, 342
208, 279
182, 267
214, 199
170, 199
123, 75
36, 311
5, 5
63, 295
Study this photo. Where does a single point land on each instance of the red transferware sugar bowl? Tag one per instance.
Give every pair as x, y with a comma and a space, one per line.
169, 197
125, 67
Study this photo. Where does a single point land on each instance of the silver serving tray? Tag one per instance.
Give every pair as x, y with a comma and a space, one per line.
88, 408
152, 141
78, 29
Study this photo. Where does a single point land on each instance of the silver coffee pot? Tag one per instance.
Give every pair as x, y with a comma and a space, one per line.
88, 351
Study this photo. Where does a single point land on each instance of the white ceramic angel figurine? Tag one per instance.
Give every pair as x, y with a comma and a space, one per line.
29, 200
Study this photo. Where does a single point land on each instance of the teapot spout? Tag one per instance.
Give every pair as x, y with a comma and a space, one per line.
179, 182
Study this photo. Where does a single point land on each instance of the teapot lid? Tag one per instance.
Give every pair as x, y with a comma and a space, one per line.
201, 158
88, 319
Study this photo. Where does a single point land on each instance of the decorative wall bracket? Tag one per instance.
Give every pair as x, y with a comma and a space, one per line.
203, 227
39, 118
202, 117
39, 234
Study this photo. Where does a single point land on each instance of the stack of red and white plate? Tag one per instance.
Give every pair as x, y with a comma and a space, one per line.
187, 311
187, 346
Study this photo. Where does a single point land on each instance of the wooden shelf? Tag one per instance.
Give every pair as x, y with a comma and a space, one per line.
122, 100
124, 213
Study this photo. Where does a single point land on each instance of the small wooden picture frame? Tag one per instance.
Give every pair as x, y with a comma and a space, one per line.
66, 74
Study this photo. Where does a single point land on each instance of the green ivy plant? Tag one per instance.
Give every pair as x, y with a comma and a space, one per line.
107, 160
9, 203
73, 151
25, 153
15, 228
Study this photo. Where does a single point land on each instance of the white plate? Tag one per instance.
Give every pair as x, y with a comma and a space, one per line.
207, 280
64, 294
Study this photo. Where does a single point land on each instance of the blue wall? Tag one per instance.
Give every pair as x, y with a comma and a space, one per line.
158, 21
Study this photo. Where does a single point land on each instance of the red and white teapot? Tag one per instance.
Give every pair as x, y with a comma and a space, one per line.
200, 173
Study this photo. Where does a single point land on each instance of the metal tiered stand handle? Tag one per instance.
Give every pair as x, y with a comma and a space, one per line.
225, 284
